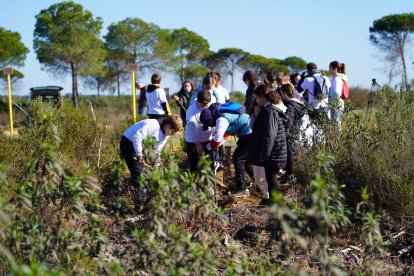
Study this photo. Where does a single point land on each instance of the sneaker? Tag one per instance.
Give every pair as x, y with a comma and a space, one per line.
265, 202
241, 193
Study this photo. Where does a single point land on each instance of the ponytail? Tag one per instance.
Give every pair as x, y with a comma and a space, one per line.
340, 67
343, 69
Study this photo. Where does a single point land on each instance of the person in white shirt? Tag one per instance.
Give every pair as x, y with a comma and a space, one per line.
208, 84
308, 84
230, 119
223, 95
132, 142
158, 107
336, 104
196, 137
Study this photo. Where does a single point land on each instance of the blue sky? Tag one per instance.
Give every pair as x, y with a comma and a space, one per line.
318, 31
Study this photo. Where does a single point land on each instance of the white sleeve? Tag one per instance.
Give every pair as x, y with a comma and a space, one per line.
161, 144
190, 122
306, 84
328, 82
221, 126
226, 94
162, 96
137, 140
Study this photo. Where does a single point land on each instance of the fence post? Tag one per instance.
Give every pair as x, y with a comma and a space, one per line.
8, 71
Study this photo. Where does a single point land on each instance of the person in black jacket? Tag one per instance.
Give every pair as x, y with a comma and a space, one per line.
294, 113
271, 80
183, 98
268, 146
250, 79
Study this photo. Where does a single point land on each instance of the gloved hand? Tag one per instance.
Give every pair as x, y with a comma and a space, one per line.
214, 145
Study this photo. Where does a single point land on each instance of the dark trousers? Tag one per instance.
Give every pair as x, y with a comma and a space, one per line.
290, 157
241, 166
271, 178
128, 153
193, 156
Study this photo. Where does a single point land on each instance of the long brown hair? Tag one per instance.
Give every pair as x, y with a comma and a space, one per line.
288, 89
340, 67
271, 95
182, 87
250, 77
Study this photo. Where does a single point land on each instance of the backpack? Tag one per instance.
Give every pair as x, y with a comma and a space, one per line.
345, 90
231, 107
320, 89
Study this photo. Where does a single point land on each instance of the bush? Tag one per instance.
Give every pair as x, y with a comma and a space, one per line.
52, 219
82, 140
47, 211
380, 154
238, 97
359, 98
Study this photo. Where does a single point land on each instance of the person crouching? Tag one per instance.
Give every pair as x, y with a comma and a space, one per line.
132, 142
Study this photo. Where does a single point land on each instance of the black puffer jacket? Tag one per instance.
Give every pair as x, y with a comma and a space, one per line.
249, 102
268, 142
294, 113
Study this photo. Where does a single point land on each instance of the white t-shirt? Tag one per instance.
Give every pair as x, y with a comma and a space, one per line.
194, 132
222, 94
309, 84
155, 100
138, 132
336, 87
199, 88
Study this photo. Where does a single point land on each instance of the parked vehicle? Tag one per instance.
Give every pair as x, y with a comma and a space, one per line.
46, 94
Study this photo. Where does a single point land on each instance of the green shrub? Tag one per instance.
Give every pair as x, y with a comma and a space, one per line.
358, 98
379, 154
46, 206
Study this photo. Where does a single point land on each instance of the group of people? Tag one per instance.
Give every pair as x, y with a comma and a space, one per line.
267, 128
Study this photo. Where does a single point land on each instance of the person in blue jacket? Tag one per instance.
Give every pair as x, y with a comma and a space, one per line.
229, 119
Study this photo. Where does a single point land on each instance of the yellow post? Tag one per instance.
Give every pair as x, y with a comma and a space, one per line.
134, 104
10, 104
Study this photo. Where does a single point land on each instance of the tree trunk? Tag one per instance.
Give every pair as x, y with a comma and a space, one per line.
182, 66
182, 74
118, 83
75, 96
405, 78
232, 80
